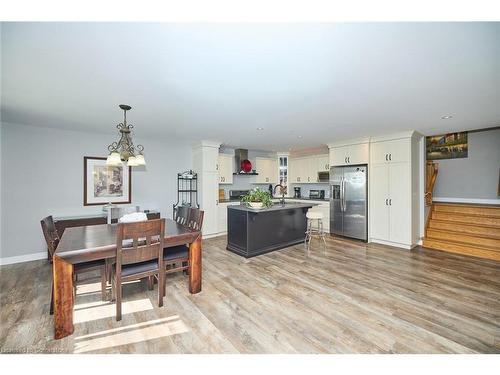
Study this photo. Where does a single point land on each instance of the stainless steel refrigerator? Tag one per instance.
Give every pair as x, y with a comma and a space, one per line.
349, 201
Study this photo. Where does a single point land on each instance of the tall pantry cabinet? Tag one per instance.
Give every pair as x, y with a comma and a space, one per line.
206, 164
394, 190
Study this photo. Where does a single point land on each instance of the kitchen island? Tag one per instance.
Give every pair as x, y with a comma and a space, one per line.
252, 232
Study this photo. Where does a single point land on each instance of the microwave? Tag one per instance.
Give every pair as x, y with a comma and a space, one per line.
316, 194
323, 176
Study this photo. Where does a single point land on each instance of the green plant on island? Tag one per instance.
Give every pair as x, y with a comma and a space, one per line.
257, 195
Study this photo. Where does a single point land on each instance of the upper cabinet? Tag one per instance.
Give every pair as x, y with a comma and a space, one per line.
323, 163
305, 170
267, 169
392, 151
349, 154
225, 168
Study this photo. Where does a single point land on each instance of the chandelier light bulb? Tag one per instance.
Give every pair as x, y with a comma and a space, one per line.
139, 159
132, 162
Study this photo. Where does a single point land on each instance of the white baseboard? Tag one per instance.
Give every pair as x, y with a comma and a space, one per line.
23, 258
466, 200
393, 244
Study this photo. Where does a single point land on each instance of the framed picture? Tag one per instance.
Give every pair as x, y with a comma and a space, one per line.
447, 146
103, 183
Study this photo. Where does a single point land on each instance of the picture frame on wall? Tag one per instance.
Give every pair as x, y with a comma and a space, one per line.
447, 146
103, 184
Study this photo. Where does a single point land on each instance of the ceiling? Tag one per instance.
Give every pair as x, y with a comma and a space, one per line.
305, 84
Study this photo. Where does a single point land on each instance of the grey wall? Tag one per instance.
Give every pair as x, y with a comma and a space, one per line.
475, 176
42, 174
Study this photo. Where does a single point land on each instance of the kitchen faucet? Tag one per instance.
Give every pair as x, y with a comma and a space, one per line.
282, 200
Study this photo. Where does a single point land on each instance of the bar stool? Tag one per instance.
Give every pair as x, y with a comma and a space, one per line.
314, 217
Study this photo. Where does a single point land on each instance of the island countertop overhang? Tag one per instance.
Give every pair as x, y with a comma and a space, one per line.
274, 207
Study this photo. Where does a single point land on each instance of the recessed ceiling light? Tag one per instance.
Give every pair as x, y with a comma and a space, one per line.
299, 136
260, 128
446, 117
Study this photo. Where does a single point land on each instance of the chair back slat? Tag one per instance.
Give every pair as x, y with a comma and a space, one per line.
140, 241
181, 214
50, 234
195, 218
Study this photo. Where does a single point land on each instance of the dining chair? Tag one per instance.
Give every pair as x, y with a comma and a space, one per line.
176, 258
52, 239
139, 255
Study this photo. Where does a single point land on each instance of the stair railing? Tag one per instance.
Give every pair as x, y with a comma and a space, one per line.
431, 172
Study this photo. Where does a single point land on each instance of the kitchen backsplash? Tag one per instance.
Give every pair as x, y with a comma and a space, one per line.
304, 189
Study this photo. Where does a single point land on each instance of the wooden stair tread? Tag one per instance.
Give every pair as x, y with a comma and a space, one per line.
468, 219
466, 214
493, 206
484, 210
462, 248
462, 234
462, 223
459, 242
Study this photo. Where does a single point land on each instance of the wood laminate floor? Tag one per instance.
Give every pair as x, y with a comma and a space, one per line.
349, 297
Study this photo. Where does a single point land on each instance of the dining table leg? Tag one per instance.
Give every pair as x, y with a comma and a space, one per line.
195, 266
63, 297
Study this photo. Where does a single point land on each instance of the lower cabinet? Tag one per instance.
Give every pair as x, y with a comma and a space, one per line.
222, 216
391, 213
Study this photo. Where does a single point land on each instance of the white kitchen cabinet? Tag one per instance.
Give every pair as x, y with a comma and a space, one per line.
349, 154
379, 201
305, 170
225, 168
210, 192
394, 151
393, 185
222, 216
205, 164
323, 163
267, 170
297, 167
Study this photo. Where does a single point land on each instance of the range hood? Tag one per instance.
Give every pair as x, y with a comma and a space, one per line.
241, 154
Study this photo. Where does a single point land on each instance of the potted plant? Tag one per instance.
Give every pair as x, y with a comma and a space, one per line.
257, 198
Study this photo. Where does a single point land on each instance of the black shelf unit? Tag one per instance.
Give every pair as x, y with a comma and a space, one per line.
187, 190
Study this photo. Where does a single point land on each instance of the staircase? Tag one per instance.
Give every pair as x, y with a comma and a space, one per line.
464, 229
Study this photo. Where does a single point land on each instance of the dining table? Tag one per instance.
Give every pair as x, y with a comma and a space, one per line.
98, 242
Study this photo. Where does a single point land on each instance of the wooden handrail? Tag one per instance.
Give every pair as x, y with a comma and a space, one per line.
431, 172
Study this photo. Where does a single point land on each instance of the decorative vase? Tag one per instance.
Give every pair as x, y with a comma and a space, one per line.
256, 205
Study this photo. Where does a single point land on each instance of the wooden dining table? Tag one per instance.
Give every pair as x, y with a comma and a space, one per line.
98, 242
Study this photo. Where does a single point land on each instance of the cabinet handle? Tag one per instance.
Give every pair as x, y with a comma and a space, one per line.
386, 158
216, 167
349, 159
390, 157
390, 202
308, 179
386, 202
345, 159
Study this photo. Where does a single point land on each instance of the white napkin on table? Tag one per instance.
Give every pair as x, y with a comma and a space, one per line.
133, 217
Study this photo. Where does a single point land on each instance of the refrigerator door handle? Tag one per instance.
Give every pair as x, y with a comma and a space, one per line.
343, 194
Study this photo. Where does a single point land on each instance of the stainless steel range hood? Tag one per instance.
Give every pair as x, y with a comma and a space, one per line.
241, 154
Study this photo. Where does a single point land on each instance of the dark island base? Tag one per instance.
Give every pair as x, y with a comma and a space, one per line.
265, 250
255, 232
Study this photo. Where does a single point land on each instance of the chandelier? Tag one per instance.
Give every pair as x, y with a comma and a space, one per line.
124, 149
